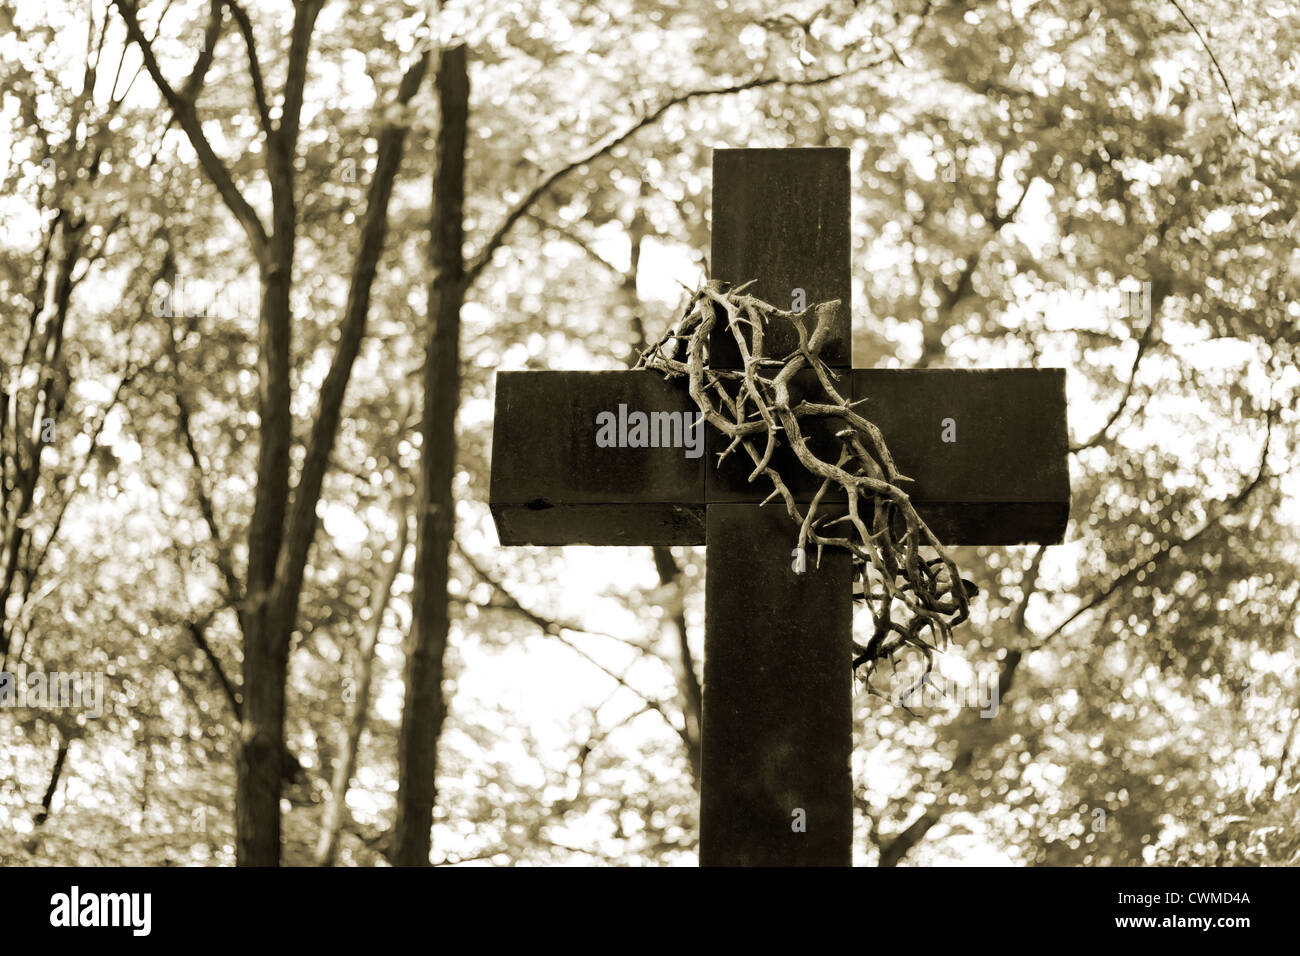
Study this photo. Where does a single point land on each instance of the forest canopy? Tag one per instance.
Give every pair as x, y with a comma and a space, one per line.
260, 265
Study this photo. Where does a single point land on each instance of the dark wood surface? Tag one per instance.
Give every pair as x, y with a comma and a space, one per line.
1004, 481
781, 217
777, 697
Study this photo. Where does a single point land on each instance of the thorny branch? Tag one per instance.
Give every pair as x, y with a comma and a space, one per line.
909, 583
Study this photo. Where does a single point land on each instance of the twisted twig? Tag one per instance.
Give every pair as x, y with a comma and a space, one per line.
908, 582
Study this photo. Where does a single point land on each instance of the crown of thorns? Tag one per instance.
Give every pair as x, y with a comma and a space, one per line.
902, 573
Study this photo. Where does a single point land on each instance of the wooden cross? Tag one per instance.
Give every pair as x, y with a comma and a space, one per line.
610, 458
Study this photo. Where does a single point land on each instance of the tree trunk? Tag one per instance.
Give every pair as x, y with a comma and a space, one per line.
424, 708
265, 665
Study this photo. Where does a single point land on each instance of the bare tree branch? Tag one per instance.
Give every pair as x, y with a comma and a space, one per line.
577, 240
328, 842
893, 850
225, 564
1143, 342
594, 153
1162, 553
556, 629
295, 82
374, 230
183, 109
254, 67
1213, 59
60, 759
74, 481
198, 631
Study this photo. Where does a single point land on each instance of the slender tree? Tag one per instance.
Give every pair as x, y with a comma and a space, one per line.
424, 708
283, 523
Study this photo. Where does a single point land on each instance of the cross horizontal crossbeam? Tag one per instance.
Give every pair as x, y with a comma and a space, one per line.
986, 449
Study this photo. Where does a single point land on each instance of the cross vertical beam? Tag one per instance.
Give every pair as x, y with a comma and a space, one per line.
776, 787
781, 219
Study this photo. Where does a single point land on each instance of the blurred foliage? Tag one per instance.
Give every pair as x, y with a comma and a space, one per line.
1016, 164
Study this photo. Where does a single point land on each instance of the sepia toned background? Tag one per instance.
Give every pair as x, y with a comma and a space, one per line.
239, 272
